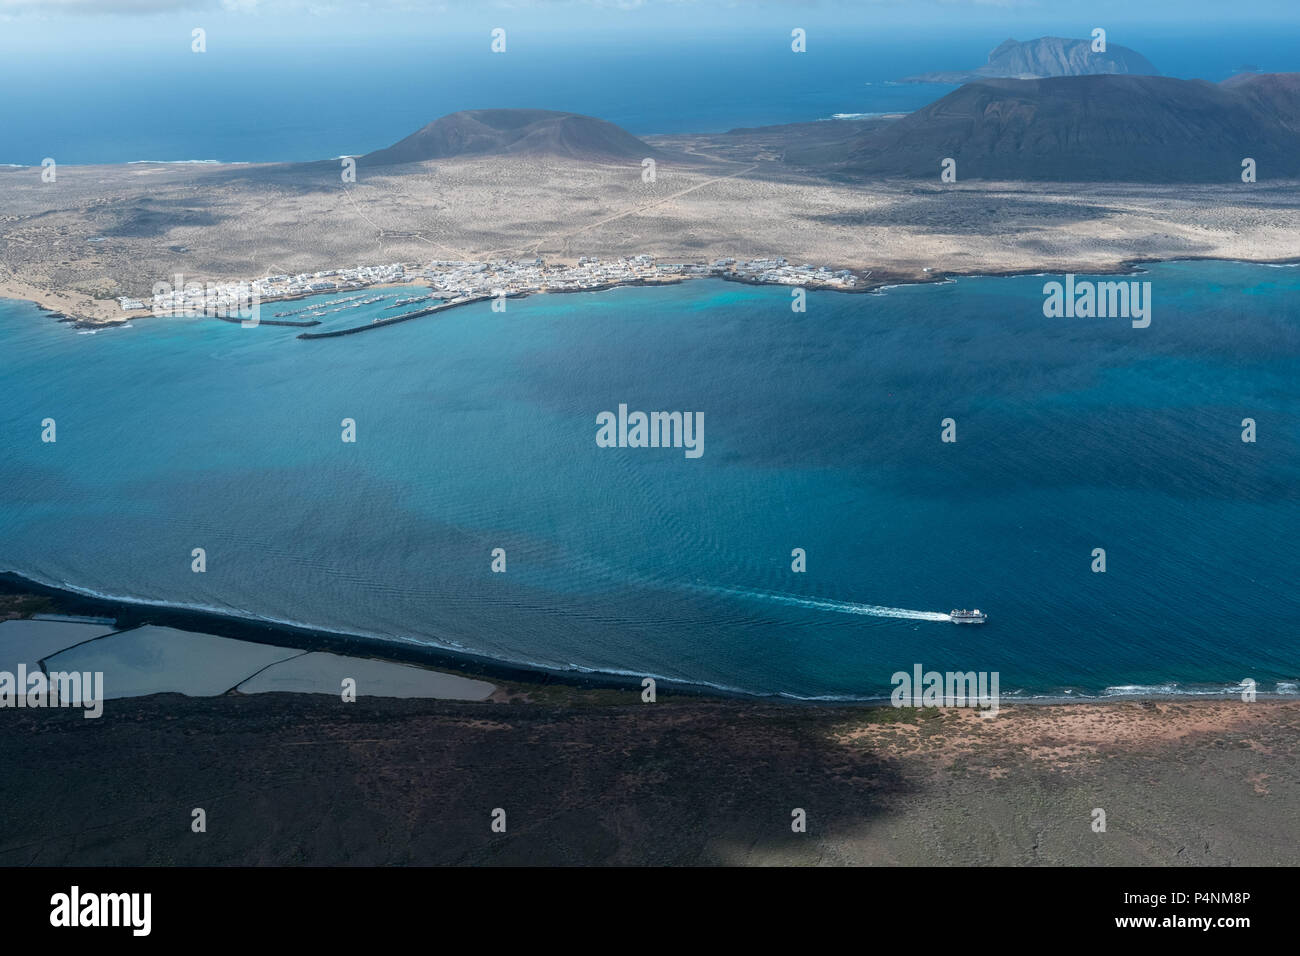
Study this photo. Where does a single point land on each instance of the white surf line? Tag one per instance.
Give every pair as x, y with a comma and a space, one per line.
840, 607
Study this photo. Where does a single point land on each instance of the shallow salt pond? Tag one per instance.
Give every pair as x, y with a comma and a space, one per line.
162, 660
324, 673
27, 642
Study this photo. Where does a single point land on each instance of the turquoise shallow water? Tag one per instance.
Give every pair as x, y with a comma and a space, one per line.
476, 430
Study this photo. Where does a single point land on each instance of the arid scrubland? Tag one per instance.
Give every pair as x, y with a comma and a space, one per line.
103, 231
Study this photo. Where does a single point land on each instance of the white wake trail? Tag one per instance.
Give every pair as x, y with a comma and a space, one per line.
840, 607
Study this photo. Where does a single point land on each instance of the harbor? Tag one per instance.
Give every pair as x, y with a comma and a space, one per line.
461, 282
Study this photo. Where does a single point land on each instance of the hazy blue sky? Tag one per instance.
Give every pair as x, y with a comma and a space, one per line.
143, 24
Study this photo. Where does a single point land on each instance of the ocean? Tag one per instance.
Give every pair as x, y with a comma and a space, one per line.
476, 430
293, 99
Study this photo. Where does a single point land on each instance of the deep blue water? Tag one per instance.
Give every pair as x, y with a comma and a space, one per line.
280, 99
476, 430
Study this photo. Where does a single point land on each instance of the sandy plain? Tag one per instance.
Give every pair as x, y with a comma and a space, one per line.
103, 231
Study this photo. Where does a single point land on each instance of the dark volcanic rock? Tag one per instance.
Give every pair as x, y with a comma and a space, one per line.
1273, 95
512, 133
1095, 128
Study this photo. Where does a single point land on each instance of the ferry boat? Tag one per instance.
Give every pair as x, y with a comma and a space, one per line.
967, 617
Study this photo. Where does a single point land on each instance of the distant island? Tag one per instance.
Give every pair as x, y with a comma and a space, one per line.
481, 203
1044, 57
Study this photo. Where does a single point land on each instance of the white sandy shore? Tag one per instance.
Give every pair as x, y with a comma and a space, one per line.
75, 305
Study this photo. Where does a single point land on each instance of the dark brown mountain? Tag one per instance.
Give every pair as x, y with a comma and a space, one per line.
515, 133
1095, 128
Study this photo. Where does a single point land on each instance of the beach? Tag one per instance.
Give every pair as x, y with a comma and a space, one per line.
75, 306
